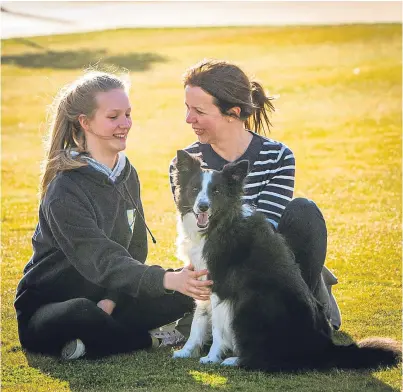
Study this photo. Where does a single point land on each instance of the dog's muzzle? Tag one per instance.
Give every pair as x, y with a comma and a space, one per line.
202, 215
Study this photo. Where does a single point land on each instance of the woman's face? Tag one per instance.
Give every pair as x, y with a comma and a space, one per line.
204, 117
111, 123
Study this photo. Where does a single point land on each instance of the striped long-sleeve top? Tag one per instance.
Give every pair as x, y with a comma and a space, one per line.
269, 185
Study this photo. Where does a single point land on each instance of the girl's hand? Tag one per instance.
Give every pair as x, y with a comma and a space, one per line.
106, 305
186, 282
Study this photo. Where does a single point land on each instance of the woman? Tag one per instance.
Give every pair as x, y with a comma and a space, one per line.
227, 112
86, 288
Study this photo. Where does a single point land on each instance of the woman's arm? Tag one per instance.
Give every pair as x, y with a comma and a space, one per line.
106, 263
99, 259
278, 188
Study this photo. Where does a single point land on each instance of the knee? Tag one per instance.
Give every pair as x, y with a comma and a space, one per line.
301, 207
80, 304
300, 203
301, 214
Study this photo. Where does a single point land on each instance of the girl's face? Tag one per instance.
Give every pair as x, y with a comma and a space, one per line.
205, 117
107, 130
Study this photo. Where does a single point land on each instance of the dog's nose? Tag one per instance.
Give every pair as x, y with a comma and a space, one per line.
203, 207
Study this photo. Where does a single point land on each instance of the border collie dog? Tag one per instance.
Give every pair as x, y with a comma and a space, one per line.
261, 309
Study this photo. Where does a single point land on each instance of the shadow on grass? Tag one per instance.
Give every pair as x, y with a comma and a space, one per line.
78, 59
153, 371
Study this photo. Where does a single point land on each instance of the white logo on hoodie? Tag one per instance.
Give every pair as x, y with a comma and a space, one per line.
131, 218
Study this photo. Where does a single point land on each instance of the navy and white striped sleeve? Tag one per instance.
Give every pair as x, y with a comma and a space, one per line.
278, 187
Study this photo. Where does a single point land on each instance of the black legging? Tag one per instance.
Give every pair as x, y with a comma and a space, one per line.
54, 324
303, 226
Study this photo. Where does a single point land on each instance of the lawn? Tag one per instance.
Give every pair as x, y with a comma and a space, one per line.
339, 110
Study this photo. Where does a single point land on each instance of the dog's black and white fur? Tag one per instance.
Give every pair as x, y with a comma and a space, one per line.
261, 309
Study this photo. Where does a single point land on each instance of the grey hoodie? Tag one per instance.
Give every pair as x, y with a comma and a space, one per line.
90, 242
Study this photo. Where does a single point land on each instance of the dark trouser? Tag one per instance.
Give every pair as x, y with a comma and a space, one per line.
54, 324
303, 226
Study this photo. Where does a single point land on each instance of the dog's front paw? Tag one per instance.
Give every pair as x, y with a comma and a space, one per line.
210, 359
231, 361
187, 353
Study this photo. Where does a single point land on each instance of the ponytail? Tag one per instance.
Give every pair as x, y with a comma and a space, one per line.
260, 120
230, 87
64, 138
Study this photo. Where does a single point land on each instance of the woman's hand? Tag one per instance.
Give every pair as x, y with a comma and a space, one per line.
106, 305
186, 282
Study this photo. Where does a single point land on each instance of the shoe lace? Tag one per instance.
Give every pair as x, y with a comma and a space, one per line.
169, 338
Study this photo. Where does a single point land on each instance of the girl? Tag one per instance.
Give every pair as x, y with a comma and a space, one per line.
86, 288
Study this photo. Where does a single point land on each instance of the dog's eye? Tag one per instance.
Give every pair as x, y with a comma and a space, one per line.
195, 190
216, 191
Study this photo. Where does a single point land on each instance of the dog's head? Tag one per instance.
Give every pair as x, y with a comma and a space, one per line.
207, 193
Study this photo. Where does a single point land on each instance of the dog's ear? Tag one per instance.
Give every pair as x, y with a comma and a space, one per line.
236, 172
186, 162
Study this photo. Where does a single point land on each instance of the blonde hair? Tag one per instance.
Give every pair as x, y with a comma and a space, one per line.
65, 132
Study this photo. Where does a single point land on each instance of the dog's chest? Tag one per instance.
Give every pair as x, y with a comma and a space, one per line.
189, 242
196, 256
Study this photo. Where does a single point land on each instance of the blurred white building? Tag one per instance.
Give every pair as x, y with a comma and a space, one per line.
23, 18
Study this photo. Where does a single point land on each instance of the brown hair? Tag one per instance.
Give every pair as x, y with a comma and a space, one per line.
65, 132
230, 87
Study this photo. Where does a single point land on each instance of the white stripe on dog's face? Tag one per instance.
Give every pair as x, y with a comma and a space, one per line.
203, 197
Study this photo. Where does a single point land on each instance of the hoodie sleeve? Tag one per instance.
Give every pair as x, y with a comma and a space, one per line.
97, 258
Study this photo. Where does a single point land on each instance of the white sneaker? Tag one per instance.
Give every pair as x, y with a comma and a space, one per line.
73, 350
167, 338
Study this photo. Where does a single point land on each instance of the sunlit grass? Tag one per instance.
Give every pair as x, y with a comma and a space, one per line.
339, 110
212, 380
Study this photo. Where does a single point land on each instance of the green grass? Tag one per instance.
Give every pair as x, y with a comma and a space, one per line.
344, 127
